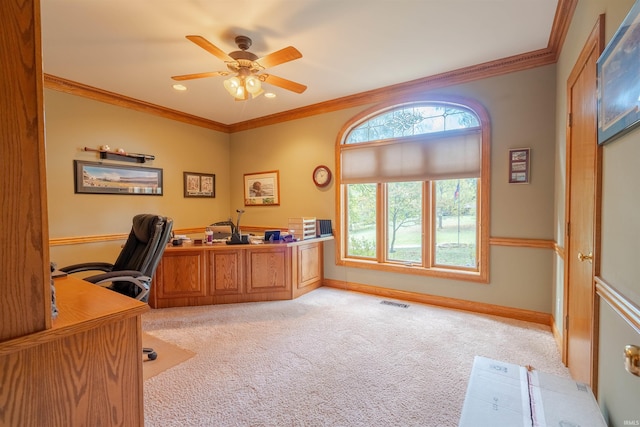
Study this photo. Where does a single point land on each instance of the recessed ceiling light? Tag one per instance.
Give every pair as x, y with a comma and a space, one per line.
269, 95
179, 87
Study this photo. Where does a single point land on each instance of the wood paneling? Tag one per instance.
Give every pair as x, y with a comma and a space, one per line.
25, 305
85, 370
185, 271
309, 265
267, 269
236, 273
226, 272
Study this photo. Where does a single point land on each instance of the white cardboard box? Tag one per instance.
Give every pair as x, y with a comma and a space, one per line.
504, 394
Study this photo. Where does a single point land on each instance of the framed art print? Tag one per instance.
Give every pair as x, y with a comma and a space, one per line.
99, 178
618, 70
519, 165
261, 188
199, 184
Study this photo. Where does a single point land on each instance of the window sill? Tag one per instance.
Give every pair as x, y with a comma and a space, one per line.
444, 273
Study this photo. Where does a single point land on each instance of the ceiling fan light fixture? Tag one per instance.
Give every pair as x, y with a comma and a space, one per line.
253, 86
235, 87
246, 66
240, 86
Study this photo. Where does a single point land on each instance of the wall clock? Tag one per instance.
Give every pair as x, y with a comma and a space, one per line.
321, 176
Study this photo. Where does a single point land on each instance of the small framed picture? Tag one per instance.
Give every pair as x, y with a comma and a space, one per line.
519, 161
199, 184
261, 189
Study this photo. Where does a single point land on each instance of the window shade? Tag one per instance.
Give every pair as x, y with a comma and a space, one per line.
415, 159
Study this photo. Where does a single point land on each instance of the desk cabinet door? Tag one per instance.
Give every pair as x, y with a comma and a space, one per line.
225, 269
309, 265
181, 274
267, 270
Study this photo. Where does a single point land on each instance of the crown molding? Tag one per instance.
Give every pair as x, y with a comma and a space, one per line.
498, 67
74, 88
561, 23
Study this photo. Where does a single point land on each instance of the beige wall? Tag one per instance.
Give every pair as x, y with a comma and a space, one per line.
73, 122
293, 148
527, 109
521, 107
618, 391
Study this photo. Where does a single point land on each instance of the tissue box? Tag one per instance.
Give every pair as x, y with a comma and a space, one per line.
504, 394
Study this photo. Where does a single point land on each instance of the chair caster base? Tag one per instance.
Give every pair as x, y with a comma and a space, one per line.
151, 354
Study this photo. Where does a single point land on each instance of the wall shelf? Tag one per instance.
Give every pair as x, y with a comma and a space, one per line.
123, 157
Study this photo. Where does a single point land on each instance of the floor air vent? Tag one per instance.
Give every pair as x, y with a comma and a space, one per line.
395, 304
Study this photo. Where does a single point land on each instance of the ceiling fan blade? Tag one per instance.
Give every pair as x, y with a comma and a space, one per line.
279, 57
200, 75
284, 83
209, 47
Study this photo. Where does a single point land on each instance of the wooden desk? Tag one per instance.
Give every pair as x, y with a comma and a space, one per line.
86, 370
219, 273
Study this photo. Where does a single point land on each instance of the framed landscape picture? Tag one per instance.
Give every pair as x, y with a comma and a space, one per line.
618, 71
261, 189
99, 178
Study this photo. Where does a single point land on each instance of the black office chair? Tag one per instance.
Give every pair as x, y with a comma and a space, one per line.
132, 272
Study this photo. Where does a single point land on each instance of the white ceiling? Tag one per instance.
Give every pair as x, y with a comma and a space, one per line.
133, 47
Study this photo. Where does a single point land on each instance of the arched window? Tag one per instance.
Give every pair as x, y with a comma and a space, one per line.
414, 181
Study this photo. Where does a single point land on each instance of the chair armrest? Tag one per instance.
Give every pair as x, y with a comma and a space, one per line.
87, 266
112, 276
140, 281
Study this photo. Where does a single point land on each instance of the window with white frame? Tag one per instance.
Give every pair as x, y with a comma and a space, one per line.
414, 190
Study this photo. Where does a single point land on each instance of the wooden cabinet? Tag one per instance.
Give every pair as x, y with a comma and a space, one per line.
267, 272
85, 367
307, 269
86, 370
219, 274
226, 273
182, 275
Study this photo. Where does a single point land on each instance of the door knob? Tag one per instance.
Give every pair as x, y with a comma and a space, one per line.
583, 257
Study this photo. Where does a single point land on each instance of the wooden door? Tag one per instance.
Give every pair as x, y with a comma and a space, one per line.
583, 166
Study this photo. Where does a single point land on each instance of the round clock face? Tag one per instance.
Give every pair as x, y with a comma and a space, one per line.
322, 176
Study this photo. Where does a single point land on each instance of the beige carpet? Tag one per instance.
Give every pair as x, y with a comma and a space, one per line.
329, 358
169, 355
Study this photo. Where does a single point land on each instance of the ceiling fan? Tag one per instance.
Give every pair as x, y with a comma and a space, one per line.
247, 68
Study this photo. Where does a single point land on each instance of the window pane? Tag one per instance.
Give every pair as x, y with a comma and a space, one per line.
413, 119
361, 220
404, 221
456, 222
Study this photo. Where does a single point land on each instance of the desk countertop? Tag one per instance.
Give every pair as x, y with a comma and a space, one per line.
81, 306
220, 245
